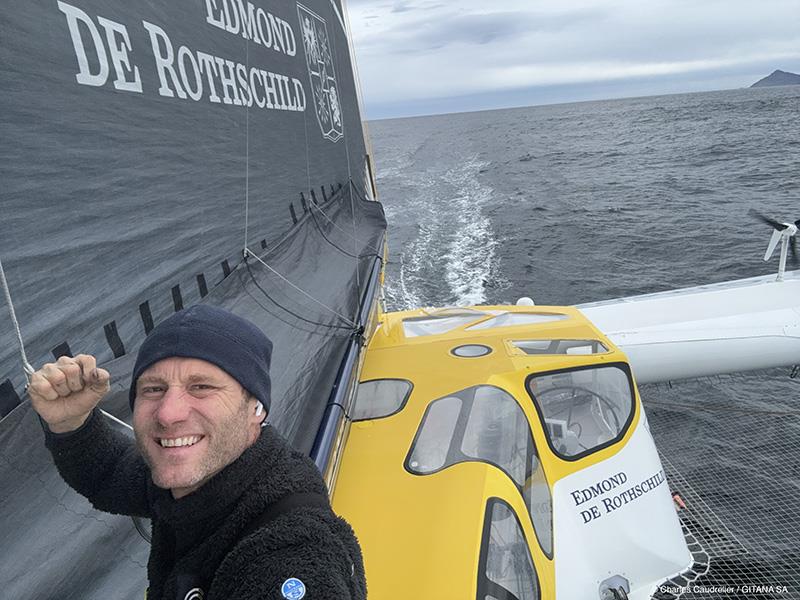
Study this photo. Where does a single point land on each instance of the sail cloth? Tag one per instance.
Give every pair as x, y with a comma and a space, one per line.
145, 145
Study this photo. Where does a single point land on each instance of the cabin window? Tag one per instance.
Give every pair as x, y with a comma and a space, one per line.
440, 321
585, 408
380, 398
497, 432
534, 347
506, 569
485, 424
432, 445
513, 319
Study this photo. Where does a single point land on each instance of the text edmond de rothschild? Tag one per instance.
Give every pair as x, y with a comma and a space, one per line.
610, 503
191, 74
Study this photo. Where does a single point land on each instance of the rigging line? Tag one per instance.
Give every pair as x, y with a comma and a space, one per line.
249, 252
344, 231
26, 366
291, 312
247, 155
115, 419
308, 161
347, 152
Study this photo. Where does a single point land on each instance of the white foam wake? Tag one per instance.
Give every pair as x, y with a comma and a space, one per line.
448, 252
470, 258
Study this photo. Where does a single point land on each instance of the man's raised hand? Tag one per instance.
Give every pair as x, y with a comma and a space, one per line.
64, 393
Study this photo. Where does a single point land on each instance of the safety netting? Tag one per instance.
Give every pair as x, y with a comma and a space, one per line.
731, 450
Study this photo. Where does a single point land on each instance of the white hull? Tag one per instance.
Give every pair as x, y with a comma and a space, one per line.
706, 330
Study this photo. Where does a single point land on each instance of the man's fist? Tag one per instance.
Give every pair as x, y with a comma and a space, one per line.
64, 393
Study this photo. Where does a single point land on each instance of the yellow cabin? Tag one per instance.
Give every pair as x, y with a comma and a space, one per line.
485, 459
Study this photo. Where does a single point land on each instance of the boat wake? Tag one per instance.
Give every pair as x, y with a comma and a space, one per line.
454, 242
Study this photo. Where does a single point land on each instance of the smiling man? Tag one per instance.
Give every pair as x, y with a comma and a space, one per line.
236, 512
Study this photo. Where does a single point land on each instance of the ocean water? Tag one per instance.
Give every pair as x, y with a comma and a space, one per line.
588, 201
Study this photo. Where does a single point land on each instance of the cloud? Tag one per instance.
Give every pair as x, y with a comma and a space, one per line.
412, 50
402, 7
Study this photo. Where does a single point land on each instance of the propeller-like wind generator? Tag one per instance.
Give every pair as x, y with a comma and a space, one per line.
785, 233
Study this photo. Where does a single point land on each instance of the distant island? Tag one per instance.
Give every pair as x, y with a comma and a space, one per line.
778, 77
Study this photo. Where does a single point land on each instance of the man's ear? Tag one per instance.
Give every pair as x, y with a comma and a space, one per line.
259, 413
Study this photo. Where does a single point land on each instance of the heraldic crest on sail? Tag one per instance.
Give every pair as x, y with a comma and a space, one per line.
321, 72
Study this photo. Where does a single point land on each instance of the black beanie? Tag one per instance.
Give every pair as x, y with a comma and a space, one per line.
215, 335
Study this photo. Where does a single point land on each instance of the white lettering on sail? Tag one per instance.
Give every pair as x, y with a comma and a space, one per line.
85, 76
119, 44
211, 6
229, 15
227, 78
264, 30
188, 74
290, 45
279, 81
248, 17
300, 93
196, 92
252, 23
259, 102
208, 65
244, 85
275, 27
164, 62
269, 88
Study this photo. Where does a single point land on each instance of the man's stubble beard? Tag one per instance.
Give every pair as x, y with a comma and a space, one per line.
230, 439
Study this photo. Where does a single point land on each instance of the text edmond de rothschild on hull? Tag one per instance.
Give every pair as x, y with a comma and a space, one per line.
612, 503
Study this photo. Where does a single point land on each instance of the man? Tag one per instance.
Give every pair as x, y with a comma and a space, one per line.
236, 512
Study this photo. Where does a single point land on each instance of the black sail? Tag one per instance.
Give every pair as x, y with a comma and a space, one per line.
145, 146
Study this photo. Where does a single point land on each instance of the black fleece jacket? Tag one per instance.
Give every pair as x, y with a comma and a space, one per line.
203, 537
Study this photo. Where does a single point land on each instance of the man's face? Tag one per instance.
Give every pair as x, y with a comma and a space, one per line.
191, 420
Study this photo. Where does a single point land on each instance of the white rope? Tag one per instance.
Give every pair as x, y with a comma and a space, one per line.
248, 252
247, 156
26, 366
115, 419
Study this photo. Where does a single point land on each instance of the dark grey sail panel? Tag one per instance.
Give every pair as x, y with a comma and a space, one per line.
131, 188
119, 195
55, 545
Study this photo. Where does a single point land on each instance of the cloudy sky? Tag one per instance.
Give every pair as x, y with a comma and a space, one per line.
431, 56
